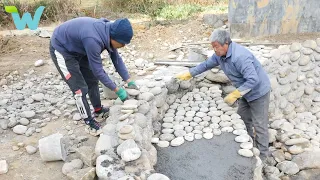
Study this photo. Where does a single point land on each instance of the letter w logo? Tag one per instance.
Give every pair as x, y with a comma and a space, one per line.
26, 18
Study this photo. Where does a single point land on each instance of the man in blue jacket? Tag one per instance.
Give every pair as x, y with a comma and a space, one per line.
75, 49
250, 79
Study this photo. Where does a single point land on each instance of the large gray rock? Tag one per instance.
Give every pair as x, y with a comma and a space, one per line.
218, 77
133, 92
304, 60
71, 166
87, 155
177, 141
288, 167
110, 129
310, 44
38, 97
4, 167
147, 96
12, 122
172, 85
128, 144
30, 131
295, 47
295, 56
141, 120
279, 155
20, 129
156, 90
157, 176
144, 108
185, 84
161, 98
130, 154
31, 150
215, 20
28, 114
105, 143
272, 170
106, 168
308, 160
310, 174
272, 135
171, 99
291, 142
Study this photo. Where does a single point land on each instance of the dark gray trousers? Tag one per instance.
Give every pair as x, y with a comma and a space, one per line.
76, 73
255, 114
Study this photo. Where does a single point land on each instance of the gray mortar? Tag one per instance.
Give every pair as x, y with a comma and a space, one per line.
215, 159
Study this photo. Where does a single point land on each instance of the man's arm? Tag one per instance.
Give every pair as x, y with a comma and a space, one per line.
246, 68
204, 66
93, 50
119, 65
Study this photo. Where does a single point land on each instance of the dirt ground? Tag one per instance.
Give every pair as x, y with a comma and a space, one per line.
20, 53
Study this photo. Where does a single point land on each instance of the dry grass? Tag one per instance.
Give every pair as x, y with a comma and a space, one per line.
198, 2
168, 9
62, 10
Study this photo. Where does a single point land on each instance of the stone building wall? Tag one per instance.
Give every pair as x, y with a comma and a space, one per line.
249, 18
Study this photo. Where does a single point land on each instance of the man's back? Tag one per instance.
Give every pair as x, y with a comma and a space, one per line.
236, 66
69, 36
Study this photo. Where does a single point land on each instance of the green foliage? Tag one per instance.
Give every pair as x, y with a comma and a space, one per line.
217, 9
166, 9
149, 7
182, 11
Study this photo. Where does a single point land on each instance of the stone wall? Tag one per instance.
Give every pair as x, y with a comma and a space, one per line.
266, 17
215, 20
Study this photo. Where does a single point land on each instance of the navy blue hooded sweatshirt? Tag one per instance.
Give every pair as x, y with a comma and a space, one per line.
87, 36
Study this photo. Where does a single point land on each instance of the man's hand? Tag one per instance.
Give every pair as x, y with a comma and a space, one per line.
122, 94
132, 85
184, 76
232, 97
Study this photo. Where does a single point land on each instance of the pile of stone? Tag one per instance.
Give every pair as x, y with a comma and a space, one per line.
28, 105
129, 132
295, 107
199, 114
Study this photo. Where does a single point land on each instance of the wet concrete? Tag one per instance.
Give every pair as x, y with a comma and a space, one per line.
215, 159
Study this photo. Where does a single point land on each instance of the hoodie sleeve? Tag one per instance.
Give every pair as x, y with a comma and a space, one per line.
93, 50
119, 65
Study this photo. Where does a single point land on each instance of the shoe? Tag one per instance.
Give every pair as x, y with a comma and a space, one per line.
93, 124
103, 113
92, 132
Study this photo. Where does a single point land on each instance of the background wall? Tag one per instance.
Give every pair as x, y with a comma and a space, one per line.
266, 17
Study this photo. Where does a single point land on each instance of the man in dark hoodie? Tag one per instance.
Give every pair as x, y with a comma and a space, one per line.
75, 49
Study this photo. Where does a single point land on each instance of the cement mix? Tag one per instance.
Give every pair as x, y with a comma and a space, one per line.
215, 159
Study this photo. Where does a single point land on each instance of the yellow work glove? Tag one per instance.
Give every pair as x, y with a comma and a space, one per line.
232, 97
184, 76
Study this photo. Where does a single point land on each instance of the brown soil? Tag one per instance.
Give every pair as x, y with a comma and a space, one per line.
20, 53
